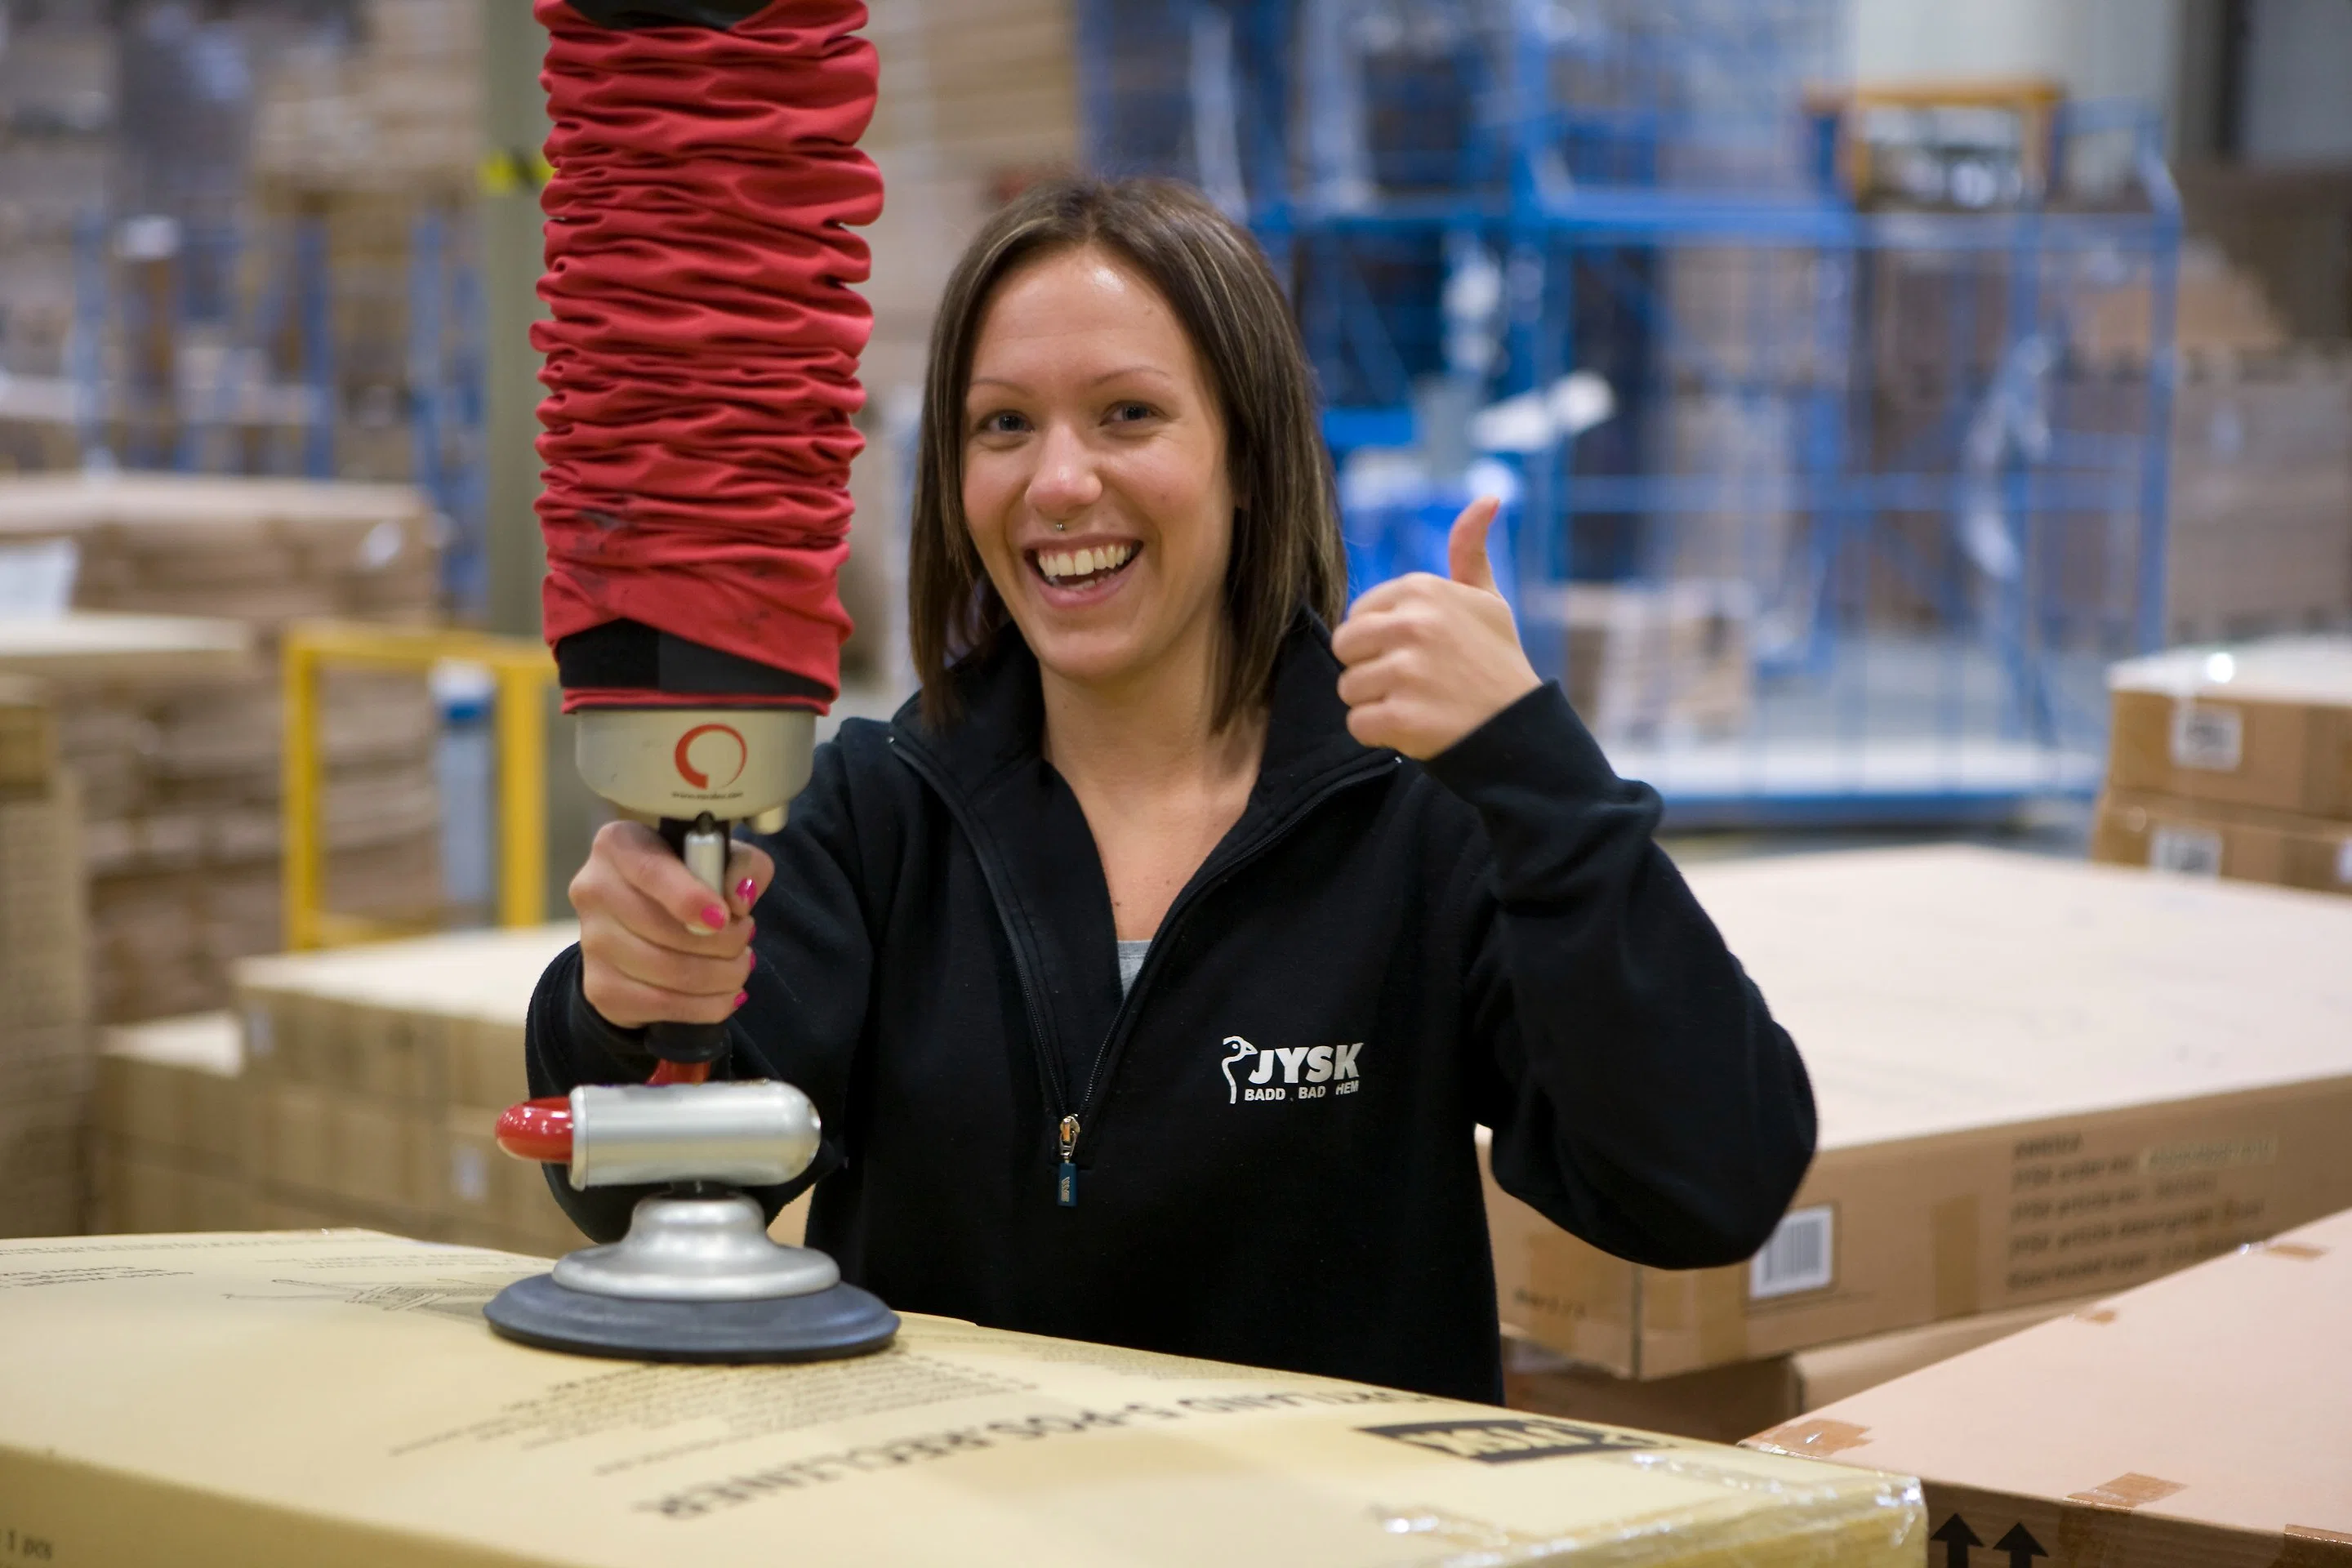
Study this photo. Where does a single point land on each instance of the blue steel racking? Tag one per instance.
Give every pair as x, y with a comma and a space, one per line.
1890, 426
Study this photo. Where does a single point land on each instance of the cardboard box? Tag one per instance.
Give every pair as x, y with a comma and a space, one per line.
2035, 1080
143, 1190
275, 1399
2196, 838
175, 1086
2198, 1422
2267, 725
28, 737
1724, 1403
430, 1022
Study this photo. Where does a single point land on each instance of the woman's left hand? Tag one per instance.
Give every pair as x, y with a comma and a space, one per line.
1431, 658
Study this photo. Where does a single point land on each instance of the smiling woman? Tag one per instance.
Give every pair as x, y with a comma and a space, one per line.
1151, 971
1165, 341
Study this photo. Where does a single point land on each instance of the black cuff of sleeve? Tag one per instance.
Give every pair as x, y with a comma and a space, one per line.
591, 1032
1537, 742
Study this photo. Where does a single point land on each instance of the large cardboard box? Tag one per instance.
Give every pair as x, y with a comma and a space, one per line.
2267, 725
2036, 1079
1724, 1403
2198, 1422
262, 1399
2198, 838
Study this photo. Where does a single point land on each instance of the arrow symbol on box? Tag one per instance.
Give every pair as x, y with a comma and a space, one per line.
1957, 1537
2020, 1545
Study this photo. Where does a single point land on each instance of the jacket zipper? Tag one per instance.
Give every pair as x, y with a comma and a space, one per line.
1070, 1124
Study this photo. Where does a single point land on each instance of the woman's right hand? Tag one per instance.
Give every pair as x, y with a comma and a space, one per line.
655, 945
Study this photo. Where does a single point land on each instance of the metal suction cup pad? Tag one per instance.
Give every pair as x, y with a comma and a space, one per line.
826, 1325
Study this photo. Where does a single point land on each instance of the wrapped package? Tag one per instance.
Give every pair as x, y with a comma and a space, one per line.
300, 1398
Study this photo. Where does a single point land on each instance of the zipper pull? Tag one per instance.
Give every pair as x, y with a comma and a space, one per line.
1068, 1190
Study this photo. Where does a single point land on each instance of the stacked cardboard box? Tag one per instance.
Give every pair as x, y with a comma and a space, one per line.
977, 95
170, 1127
402, 110
2034, 1080
351, 1406
57, 164
2233, 763
1725, 1403
171, 726
2197, 1422
1643, 663
45, 1066
2261, 537
374, 1078
265, 552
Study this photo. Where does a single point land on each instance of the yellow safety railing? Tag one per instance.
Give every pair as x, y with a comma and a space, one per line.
522, 671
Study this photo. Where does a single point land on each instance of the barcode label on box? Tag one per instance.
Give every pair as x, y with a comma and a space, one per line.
2208, 738
2190, 851
1802, 1255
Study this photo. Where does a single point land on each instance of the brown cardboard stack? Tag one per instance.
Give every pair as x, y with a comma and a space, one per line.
272, 1400
401, 110
1643, 663
2260, 535
44, 986
265, 552
374, 1076
976, 97
170, 725
170, 1127
2198, 1422
2035, 1080
1724, 1403
2233, 763
173, 726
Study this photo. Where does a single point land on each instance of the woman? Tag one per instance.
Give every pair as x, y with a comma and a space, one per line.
1152, 972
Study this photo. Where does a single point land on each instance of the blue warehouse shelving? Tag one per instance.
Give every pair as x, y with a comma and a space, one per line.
1609, 256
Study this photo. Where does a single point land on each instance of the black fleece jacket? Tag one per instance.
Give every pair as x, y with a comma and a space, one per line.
1273, 1161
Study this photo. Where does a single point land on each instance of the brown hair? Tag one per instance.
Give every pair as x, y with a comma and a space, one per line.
1286, 551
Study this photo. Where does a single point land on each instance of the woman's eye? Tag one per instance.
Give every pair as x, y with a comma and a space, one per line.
1002, 423
1127, 412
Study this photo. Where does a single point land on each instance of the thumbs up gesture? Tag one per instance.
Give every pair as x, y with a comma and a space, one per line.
1431, 658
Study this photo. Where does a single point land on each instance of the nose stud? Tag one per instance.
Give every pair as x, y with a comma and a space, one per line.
1061, 528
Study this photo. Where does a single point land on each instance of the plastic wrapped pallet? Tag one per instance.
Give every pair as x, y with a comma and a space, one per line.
282, 1399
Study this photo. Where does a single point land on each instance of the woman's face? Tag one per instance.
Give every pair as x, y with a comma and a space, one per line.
1094, 471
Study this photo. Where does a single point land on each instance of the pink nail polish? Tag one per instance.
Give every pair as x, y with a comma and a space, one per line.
745, 889
714, 916
741, 997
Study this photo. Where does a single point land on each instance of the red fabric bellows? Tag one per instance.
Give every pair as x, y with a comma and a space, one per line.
702, 365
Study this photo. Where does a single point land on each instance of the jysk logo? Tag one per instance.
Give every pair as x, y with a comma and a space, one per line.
728, 751
1308, 1072
1509, 1442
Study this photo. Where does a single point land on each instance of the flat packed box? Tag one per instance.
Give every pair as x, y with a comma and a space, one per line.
2198, 1422
2265, 724
1724, 1403
263, 1399
2036, 1079
2198, 838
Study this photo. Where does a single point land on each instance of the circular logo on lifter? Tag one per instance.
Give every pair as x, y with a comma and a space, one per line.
711, 752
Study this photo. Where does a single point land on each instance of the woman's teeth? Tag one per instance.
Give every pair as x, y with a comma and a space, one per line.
1069, 567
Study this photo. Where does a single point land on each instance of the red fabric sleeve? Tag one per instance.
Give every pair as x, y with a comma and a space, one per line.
701, 364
